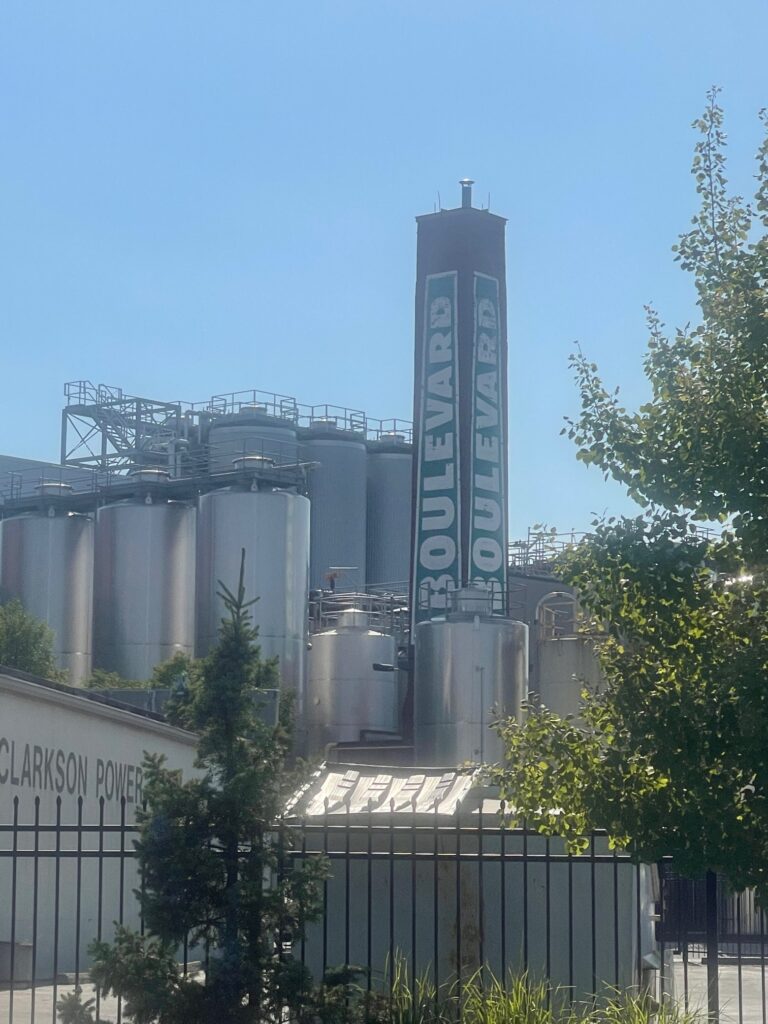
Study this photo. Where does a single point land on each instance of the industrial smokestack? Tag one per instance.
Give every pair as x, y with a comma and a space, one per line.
460, 409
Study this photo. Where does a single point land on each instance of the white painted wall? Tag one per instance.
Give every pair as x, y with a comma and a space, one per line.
56, 744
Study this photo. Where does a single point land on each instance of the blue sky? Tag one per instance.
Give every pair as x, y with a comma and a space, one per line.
199, 197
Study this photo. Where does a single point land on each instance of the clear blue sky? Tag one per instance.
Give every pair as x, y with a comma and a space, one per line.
198, 197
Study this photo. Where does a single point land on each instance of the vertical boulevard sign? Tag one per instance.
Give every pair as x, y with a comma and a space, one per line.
487, 536
437, 561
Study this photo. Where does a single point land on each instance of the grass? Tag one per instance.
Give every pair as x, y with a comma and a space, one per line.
482, 999
520, 999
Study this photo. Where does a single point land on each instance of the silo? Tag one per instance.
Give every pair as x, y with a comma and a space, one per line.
469, 666
337, 490
346, 697
144, 609
273, 528
46, 561
388, 526
251, 431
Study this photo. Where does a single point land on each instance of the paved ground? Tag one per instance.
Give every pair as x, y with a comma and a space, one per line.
753, 1010
44, 1005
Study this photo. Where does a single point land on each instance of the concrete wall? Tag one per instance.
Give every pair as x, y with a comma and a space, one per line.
566, 666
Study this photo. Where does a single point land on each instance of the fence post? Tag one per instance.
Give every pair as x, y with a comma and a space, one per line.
713, 985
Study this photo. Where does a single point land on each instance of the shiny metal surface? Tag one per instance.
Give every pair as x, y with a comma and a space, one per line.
345, 696
144, 585
273, 527
388, 551
251, 433
347, 789
46, 561
467, 668
337, 490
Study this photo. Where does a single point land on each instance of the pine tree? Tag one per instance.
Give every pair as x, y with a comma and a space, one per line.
210, 852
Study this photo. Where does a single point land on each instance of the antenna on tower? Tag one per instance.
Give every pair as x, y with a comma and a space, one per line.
439, 202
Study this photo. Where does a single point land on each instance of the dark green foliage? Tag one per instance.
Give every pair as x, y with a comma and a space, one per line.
182, 676
177, 671
27, 644
673, 759
174, 674
72, 1009
483, 999
100, 679
144, 970
210, 851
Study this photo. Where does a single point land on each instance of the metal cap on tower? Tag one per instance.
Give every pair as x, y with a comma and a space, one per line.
466, 192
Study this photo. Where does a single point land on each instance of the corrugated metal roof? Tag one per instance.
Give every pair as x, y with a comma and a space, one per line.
341, 789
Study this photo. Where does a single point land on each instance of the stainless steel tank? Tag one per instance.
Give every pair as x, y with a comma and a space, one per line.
46, 561
144, 610
273, 527
346, 697
469, 666
252, 431
388, 527
337, 490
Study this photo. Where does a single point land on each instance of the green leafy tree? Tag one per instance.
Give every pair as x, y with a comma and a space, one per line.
101, 679
183, 676
26, 643
673, 758
701, 442
210, 856
180, 671
175, 673
73, 1009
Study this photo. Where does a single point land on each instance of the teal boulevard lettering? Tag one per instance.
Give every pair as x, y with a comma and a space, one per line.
438, 557
487, 542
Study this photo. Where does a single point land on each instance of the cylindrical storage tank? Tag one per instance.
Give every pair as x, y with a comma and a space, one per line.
46, 561
469, 667
388, 527
252, 431
273, 528
337, 490
144, 608
346, 696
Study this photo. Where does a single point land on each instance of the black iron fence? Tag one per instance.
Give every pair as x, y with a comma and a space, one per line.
439, 897
445, 898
